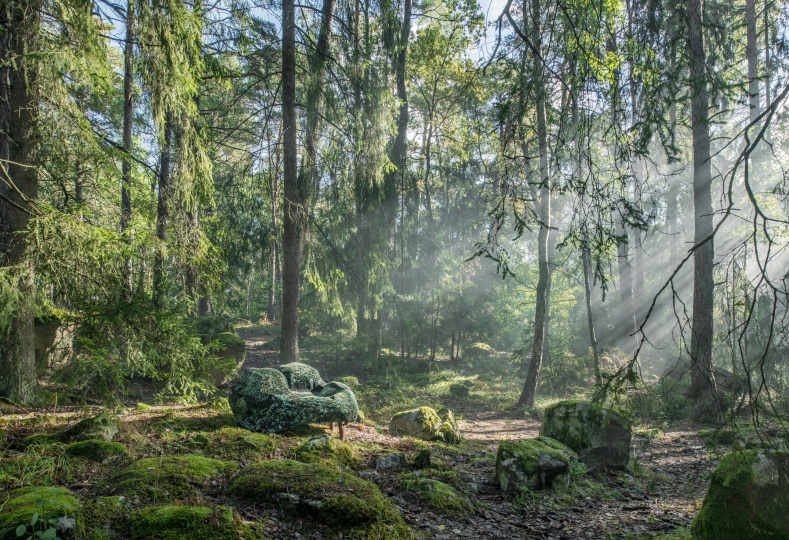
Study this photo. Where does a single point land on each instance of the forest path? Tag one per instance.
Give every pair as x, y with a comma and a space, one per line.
662, 495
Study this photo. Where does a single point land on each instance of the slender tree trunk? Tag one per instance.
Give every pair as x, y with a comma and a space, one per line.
292, 216
702, 390
587, 263
752, 54
19, 28
543, 283
128, 117
299, 186
162, 213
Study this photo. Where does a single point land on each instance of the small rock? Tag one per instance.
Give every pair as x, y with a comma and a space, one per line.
391, 461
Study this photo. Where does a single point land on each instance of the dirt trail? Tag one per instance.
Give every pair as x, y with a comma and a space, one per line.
662, 496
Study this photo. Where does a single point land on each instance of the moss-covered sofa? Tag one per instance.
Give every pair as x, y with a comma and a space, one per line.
271, 400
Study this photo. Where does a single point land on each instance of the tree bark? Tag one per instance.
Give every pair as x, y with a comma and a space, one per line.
19, 28
128, 117
162, 213
702, 389
586, 262
299, 186
752, 53
543, 283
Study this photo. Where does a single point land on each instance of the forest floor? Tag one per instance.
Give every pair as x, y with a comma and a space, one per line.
656, 497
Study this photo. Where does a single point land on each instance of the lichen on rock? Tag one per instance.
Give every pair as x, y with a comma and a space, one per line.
302, 377
263, 401
748, 497
338, 500
103, 427
601, 436
533, 464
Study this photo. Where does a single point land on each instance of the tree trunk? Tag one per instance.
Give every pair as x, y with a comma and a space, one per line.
586, 262
751, 51
19, 28
543, 283
128, 117
162, 213
299, 186
702, 390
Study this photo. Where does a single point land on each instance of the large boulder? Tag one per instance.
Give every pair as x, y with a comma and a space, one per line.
601, 436
426, 424
534, 464
263, 401
748, 497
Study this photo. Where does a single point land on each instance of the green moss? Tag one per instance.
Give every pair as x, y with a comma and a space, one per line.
142, 407
19, 505
104, 427
459, 390
449, 430
179, 522
350, 380
423, 423
422, 459
328, 451
438, 496
649, 433
229, 339
102, 515
516, 464
338, 500
747, 498
167, 478
96, 450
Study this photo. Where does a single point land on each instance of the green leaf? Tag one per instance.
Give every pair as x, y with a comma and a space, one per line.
21, 530
49, 534
35, 519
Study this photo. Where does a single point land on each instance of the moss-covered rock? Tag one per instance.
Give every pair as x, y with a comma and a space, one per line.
262, 401
102, 515
601, 436
438, 496
426, 424
302, 377
449, 430
103, 427
180, 522
338, 500
97, 450
534, 464
458, 390
422, 423
350, 380
327, 451
748, 497
167, 478
422, 459
18, 507
478, 351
